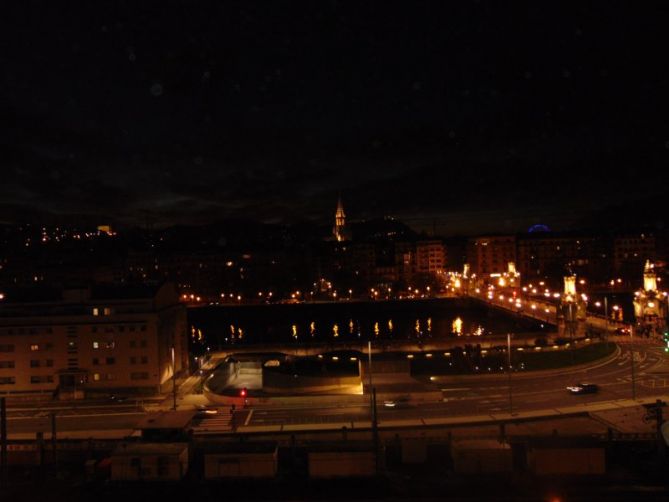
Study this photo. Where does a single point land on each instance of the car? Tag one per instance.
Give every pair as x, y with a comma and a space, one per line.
204, 411
583, 388
117, 399
401, 402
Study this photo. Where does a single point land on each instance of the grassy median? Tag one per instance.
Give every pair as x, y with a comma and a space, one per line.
477, 362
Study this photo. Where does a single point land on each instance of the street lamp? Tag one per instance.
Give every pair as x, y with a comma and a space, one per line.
508, 348
372, 401
174, 381
632, 362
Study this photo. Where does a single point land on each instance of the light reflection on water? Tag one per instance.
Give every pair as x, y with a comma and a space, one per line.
256, 325
422, 328
378, 328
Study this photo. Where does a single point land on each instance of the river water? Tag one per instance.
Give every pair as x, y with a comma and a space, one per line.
219, 326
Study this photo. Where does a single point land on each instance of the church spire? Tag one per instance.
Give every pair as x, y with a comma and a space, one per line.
340, 222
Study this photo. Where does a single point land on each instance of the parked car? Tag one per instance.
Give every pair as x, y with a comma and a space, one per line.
583, 388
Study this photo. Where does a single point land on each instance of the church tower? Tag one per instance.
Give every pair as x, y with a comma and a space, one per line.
340, 222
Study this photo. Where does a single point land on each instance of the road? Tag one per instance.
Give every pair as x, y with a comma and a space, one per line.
93, 420
484, 396
465, 396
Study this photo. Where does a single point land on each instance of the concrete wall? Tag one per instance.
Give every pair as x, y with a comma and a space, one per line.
471, 458
567, 461
342, 464
242, 465
414, 451
149, 467
275, 382
379, 367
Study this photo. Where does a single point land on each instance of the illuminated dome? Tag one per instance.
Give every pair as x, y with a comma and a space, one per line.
538, 228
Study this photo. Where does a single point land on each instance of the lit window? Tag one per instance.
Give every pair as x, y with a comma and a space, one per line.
96, 345
34, 347
96, 311
107, 311
96, 377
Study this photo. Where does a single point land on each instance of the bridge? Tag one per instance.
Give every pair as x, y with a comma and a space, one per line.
545, 311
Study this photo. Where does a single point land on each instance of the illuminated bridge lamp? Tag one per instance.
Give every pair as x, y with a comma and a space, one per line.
457, 326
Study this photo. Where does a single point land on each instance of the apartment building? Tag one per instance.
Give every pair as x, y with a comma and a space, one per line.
107, 338
491, 254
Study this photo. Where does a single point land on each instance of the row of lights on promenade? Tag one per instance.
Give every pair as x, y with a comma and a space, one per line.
298, 295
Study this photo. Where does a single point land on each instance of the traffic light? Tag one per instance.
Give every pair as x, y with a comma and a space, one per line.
666, 341
242, 392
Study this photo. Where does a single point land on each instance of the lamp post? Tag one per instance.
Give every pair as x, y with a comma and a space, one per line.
369, 371
372, 405
174, 381
632, 362
508, 349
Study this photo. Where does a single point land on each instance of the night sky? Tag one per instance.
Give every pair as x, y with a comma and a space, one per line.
469, 117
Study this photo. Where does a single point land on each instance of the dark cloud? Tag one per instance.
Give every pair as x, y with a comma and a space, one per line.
464, 113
